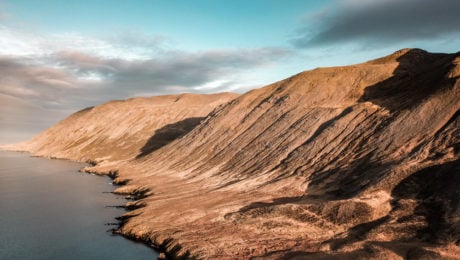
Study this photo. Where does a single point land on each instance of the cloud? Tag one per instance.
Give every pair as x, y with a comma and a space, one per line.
145, 44
22, 79
126, 45
72, 71
381, 22
176, 72
193, 69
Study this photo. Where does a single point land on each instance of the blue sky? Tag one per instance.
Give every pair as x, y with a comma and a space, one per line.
194, 25
57, 57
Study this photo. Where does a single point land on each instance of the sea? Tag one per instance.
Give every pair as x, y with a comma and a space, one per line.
49, 210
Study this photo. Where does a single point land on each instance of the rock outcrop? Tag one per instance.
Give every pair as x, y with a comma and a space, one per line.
361, 161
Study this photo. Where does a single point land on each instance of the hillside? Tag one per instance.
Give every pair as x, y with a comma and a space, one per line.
121, 130
354, 162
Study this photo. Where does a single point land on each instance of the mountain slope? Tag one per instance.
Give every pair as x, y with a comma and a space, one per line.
120, 130
353, 162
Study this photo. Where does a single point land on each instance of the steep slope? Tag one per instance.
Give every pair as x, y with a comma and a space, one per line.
120, 130
312, 163
352, 162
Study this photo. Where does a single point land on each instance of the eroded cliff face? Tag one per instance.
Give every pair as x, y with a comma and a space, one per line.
354, 162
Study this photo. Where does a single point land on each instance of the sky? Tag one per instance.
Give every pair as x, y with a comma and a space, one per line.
57, 57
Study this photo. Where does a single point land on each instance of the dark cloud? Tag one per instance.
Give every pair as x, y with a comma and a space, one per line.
13, 72
82, 63
177, 69
73, 79
382, 22
23, 79
191, 70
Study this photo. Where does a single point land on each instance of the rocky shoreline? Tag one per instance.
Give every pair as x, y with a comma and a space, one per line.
134, 198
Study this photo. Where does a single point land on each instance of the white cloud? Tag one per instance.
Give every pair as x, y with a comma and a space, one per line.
126, 46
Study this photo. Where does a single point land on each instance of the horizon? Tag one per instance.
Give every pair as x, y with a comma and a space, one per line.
59, 57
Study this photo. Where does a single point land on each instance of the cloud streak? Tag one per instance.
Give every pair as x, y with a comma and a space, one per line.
381, 22
22, 79
65, 73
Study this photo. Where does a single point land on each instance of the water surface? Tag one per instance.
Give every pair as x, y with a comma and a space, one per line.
48, 210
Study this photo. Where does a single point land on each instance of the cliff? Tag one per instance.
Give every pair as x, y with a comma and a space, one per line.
359, 161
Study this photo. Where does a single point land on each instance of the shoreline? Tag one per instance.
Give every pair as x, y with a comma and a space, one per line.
133, 202
132, 199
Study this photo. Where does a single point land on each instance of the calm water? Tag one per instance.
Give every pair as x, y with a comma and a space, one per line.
48, 210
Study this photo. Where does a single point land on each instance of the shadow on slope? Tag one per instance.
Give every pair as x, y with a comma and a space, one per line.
418, 75
435, 191
168, 133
